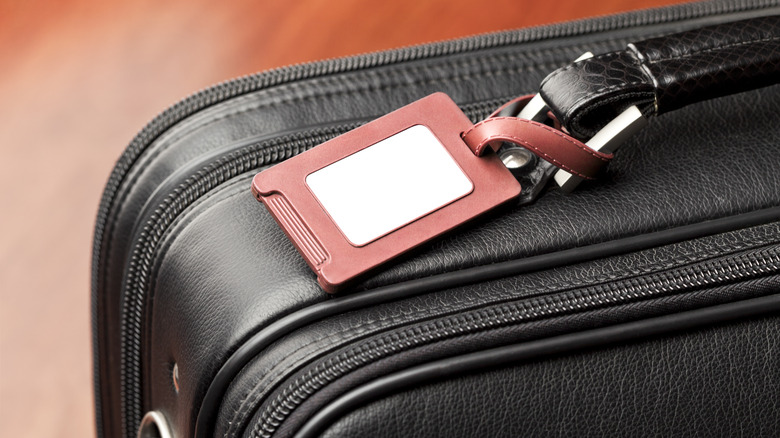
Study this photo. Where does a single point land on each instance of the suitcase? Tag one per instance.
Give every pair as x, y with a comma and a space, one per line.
642, 304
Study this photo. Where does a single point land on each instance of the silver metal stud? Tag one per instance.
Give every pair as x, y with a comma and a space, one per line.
515, 158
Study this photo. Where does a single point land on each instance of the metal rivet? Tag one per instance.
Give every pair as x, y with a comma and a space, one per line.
515, 158
176, 377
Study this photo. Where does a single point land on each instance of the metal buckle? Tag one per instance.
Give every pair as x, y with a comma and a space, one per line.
607, 140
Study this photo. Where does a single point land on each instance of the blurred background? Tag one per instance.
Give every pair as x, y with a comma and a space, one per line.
79, 78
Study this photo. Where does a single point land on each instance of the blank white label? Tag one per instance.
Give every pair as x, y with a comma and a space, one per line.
389, 184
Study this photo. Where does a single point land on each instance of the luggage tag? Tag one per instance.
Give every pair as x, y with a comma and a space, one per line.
383, 189
374, 193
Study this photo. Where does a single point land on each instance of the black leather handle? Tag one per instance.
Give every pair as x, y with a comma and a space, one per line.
663, 74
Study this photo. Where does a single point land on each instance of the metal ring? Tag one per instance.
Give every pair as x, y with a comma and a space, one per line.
154, 425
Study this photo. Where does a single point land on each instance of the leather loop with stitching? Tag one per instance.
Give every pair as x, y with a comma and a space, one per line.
552, 145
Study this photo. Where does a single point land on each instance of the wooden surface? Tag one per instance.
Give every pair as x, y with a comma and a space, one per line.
78, 79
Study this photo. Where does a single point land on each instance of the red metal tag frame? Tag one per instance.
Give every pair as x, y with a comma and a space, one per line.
283, 190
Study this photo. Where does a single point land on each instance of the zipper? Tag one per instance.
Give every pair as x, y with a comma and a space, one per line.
250, 157
718, 272
130, 390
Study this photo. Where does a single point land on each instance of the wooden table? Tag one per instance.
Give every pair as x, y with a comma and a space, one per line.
78, 79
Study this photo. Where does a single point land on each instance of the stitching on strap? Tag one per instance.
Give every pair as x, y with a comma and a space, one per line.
600, 155
538, 151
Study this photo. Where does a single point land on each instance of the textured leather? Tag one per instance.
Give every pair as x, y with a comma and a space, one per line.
712, 61
586, 95
698, 384
555, 146
224, 270
313, 343
666, 73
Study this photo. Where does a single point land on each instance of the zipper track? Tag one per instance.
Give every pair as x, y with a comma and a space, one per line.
139, 267
710, 273
247, 84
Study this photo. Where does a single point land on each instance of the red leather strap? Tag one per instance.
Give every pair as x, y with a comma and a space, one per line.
550, 144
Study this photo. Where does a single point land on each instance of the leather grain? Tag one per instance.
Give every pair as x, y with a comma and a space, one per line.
712, 61
586, 95
666, 73
698, 384
313, 343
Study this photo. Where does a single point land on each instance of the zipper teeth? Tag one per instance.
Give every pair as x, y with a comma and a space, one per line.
251, 83
244, 160
713, 272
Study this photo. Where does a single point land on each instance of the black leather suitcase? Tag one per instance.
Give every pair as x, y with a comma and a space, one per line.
642, 304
